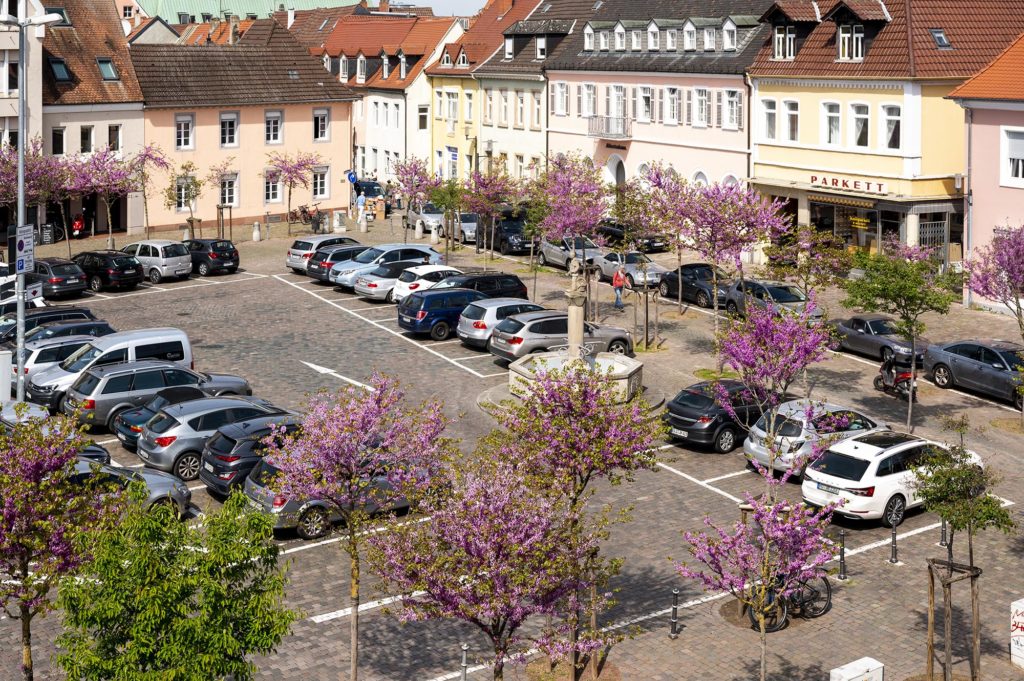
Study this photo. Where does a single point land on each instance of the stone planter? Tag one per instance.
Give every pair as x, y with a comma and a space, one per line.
626, 373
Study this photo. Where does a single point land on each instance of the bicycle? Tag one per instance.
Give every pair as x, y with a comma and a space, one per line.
812, 598
300, 214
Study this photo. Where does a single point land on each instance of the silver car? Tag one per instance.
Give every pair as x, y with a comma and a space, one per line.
873, 334
161, 488
641, 271
47, 352
478, 320
303, 249
466, 232
102, 393
346, 273
379, 283
531, 332
161, 259
777, 296
563, 251
427, 216
799, 425
993, 367
173, 440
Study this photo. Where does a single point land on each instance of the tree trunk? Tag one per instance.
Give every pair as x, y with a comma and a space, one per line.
913, 372
930, 663
110, 223
764, 643
947, 608
26, 642
353, 553
679, 278
145, 206
533, 266
975, 631
593, 628
67, 228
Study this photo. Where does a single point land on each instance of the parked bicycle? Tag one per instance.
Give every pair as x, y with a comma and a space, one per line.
811, 598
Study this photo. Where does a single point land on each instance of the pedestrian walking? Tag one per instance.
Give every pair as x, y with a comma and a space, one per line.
361, 207
619, 282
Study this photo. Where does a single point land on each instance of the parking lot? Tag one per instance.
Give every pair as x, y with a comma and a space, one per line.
291, 336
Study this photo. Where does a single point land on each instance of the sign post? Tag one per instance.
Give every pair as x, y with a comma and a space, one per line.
1017, 633
25, 249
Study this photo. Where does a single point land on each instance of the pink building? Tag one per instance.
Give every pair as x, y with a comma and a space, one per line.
658, 82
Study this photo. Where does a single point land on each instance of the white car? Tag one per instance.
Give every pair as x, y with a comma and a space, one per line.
871, 475
420, 278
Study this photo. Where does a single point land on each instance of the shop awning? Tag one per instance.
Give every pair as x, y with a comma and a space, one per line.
840, 200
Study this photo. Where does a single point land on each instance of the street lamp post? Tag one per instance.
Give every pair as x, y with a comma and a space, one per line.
19, 287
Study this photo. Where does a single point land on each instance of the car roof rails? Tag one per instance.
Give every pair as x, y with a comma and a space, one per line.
475, 270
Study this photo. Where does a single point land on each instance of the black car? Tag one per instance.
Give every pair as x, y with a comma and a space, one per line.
212, 255
110, 269
235, 449
491, 284
615, 234
70, 327
325, 258
508, 234
60, 277
696, 415
128, 424
40, 315
697, 284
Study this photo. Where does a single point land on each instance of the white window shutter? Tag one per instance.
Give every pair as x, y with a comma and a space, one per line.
689, 106
607, 100
551, 98
656, 95
718, 108
632, 97
579, 99
707, 110
739, 110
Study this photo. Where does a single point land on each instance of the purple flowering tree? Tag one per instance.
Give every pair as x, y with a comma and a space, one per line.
149, 160
110, 176
996, 272
809, 257
51, 181
665, 208
485, 195
358, 450
292, 171
43, 512
184, 188
575, 197
494, 553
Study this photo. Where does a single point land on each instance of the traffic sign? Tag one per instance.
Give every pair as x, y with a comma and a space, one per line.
33, 291
25, 249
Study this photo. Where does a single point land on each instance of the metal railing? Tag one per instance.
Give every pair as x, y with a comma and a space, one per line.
610, 127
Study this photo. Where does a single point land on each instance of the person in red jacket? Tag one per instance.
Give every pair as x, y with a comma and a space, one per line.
619, 282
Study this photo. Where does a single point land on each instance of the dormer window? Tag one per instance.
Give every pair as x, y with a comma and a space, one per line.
361, 69
542, 46
509, 48
851, 42
604, 40
588, 38
689, 37
327, 62
462, 61
636, 38
446, 59
620, 38
709, 39
784, 42
729, 36
343, 69
670, 39
385, 66
940, 38
402, 67
653, 39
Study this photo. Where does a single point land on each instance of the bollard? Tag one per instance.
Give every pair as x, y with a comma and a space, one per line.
942, 540
674, 630
892, 558
465, 661
842, 555
256, 231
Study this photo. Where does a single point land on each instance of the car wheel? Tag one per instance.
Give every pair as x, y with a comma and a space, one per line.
462, 239
155, 276
541, 260
725, 440
313, 523
703, 300
204, 269
440, 331
878, 383
663, 289
95, 284
187, 466
943, 376
629, 280
389, 298
731, 308
886, 354
619, 347
113, 417
1018, 401
894, 511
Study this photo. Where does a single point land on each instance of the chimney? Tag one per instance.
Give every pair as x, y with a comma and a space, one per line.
138, 19
291, 17
383, 6
214, 25
233, 32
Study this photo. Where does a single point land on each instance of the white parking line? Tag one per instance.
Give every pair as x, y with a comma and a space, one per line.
363, 607
196, 488
503, 373
338, 538
331, 372
107, 442
376, 308
453, 340
466, 359
726, 476
700, 482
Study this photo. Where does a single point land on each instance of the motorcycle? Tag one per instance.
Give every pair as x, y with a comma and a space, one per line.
895, 378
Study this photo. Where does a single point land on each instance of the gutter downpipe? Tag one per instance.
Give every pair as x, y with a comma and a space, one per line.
970, 195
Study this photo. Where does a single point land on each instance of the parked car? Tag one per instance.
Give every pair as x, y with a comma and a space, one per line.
799, 425
697, 281
697, 415
210, 256
14, 413
40, 315
161, 259
871, 475
508, 234
47, 352
103, 392
426, 216
616, 234
60, 277
777, 296
325, 258
235, 449
421, 278
641, 271
310, 518
563, 251
377, 284
303, 249
993, 367
466, 232
173, 440
49, 386
540, 331
9, 304
435, 312
110, 269
491, 284
128, 424
72, 327
478, 321
872, 334
345, 273
161, 488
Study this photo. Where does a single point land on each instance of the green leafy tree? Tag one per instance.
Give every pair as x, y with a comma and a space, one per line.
811, 258
906, 283
185, 188
161, 599
449, 196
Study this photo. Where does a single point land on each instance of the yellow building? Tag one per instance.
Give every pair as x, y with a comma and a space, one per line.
849, 121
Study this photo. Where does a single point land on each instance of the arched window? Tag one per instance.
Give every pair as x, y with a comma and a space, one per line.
700, 178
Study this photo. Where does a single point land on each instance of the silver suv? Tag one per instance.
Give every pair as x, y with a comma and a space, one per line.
173, 440
346, 273
478, 321
303, 249
777, 296
162, 258
563, 251
102, 393
530, 332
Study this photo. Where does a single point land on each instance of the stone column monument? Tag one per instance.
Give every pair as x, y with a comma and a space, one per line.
577, 297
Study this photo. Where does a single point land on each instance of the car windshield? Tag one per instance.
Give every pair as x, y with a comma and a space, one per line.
509, 325
707, 274
65, 270
636, 259
371, 191
512, 225
694, 399
881, 327
81, 358
7, 323
125, 261
1013, 359
175, 251
783, 426
222, 246
787, 294
384, 271
161, 423
301, 246
474, 312
450, 282
430, 208
468, 217
840, 466
86, 384
408, 276
368, 256
581, 242
264, 473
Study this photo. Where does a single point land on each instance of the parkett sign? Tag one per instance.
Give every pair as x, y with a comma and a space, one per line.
832, 182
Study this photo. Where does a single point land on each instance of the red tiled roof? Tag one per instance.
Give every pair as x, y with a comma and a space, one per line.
216, 33
794, 10
977, 31
421, 41
367, 34
1002, 79
485, 35
312, 27
865, 10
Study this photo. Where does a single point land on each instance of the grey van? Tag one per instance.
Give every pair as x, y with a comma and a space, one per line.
303, 249
346, 273
162, 258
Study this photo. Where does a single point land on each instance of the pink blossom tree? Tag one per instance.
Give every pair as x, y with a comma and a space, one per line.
149, 160
574, 196
663, 199
811, 258
292, 171
359, 450
51, 180
486, 194
110, 176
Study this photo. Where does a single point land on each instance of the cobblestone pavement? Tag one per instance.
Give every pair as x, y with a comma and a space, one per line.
269, 325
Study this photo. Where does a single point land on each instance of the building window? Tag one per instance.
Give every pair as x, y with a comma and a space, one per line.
769, 118
60, 70
1013, 163
469, 107
520, 165
462, 61
861, 123
376, 114
403, 67
520, 109
271, 189
229, 190
733, 119
438, 104
423, 116
588, 38
784, 44
446, 60
320, 183
689, 37
620, 38
272, 127
729, 38
229, 130
107, 68
636, 39
343, 69
892, 119
672, 105
940, 38
670, 39
181, 192
114, 137
396, 116
60, 11
561, 99
452, 113
653, 39
709, 39
604, 40
542, 47
851, 42
488, 112
510, 48
537, 112
588, 100
792, 121
183, 131
385, 67
361, 69
700, 179
832, 123
645, 104
57, 141
503, 102
453, 162
702, 108
321, 125
127, 12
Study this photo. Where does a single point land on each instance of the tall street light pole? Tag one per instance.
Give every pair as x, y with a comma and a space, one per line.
23, 25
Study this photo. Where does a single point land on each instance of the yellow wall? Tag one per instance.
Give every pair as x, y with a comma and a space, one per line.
441, 138
943, 132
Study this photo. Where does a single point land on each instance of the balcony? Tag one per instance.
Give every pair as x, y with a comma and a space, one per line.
610, 127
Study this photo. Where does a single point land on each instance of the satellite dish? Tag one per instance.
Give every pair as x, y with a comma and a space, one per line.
126, 26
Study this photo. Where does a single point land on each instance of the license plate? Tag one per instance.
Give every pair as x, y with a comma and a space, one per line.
122, 437
406, 319
828, 488
679, 433
142, 454
208, 466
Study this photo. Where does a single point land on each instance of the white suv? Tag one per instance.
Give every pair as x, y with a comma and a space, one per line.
871, 474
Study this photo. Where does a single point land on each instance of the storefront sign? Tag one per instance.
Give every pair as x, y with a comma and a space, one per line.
859, 222
832, 182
